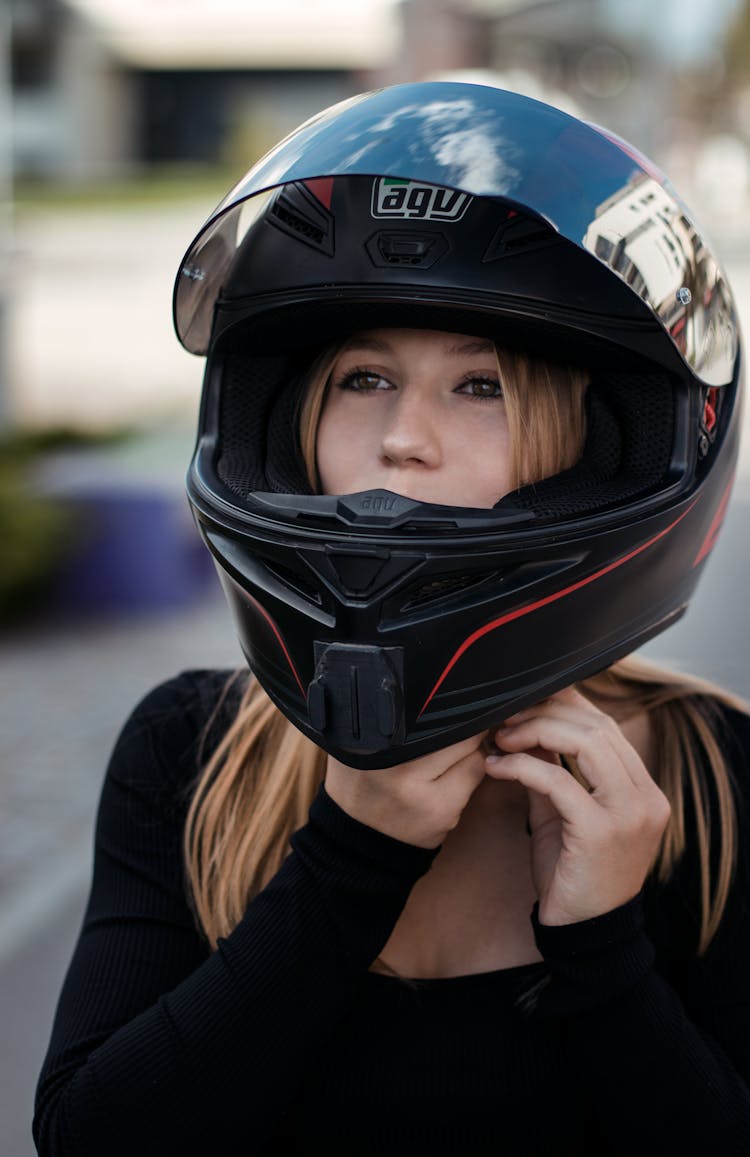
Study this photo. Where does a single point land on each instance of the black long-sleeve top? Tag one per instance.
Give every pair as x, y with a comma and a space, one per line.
621, 1041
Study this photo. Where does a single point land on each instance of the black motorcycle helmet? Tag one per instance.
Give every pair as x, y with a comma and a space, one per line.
385, 628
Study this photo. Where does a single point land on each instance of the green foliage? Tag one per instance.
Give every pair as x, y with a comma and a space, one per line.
154, 186
28, 445
38, 532
36, 535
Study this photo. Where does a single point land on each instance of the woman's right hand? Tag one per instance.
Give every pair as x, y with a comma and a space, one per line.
417, 802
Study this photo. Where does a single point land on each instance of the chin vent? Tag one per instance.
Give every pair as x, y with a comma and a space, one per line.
440, 588
293, 581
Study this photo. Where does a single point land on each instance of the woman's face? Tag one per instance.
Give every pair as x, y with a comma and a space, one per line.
417, 412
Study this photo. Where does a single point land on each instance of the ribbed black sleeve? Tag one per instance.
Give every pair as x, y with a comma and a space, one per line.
660, 1034
623, 1040
161, 1048
603, 988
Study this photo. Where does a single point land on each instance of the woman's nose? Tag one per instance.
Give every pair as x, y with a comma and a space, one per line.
411, 436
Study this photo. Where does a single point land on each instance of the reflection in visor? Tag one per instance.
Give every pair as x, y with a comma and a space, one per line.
646, 237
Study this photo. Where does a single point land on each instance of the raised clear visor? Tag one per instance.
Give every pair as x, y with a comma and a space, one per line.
593, 188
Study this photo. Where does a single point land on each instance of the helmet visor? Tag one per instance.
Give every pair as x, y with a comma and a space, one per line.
592, 188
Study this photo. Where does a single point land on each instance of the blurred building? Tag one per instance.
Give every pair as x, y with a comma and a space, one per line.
104, 86
642, 69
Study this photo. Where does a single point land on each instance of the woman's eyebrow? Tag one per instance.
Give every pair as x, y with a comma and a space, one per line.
480, 346
366, 343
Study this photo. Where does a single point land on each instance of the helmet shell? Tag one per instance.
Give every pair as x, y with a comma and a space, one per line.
385, 628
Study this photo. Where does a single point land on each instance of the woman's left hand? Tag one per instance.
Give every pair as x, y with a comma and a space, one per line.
591, 850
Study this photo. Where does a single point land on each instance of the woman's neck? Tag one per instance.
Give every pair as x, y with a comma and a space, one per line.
470, 913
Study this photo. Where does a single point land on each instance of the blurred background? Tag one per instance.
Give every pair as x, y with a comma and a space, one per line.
122, 123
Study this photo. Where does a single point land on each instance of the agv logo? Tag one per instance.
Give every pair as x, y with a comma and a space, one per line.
410, 200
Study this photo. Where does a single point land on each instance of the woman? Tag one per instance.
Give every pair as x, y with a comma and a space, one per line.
448, 873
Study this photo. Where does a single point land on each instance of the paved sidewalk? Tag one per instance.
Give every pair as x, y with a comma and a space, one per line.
65, 690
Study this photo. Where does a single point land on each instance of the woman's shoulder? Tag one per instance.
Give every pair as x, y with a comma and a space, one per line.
196, 690
175, 726
728, 719
717, 725
733, 726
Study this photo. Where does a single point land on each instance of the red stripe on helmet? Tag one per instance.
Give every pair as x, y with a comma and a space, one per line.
713, 531
277, 633
521, 611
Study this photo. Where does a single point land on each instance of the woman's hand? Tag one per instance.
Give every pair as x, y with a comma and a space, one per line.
418, 802
591, 850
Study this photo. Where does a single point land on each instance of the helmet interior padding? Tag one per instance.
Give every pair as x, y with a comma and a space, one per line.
627, 452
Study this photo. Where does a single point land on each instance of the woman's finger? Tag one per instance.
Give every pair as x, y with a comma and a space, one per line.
570, 799
600, 761
463, 776
574, 708
455, 754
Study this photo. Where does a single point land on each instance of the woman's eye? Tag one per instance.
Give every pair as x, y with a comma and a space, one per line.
482, 388
363, 380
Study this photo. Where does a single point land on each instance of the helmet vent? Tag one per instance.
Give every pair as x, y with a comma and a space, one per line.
297, 213
441, 588
299, 225
410, 249
519, 234
293, 581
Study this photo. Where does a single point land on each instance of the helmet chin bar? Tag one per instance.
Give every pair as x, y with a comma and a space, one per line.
356, 697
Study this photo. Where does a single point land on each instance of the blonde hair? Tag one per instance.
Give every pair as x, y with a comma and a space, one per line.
257, 787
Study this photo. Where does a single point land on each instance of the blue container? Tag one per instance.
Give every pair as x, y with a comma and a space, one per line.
137, 550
